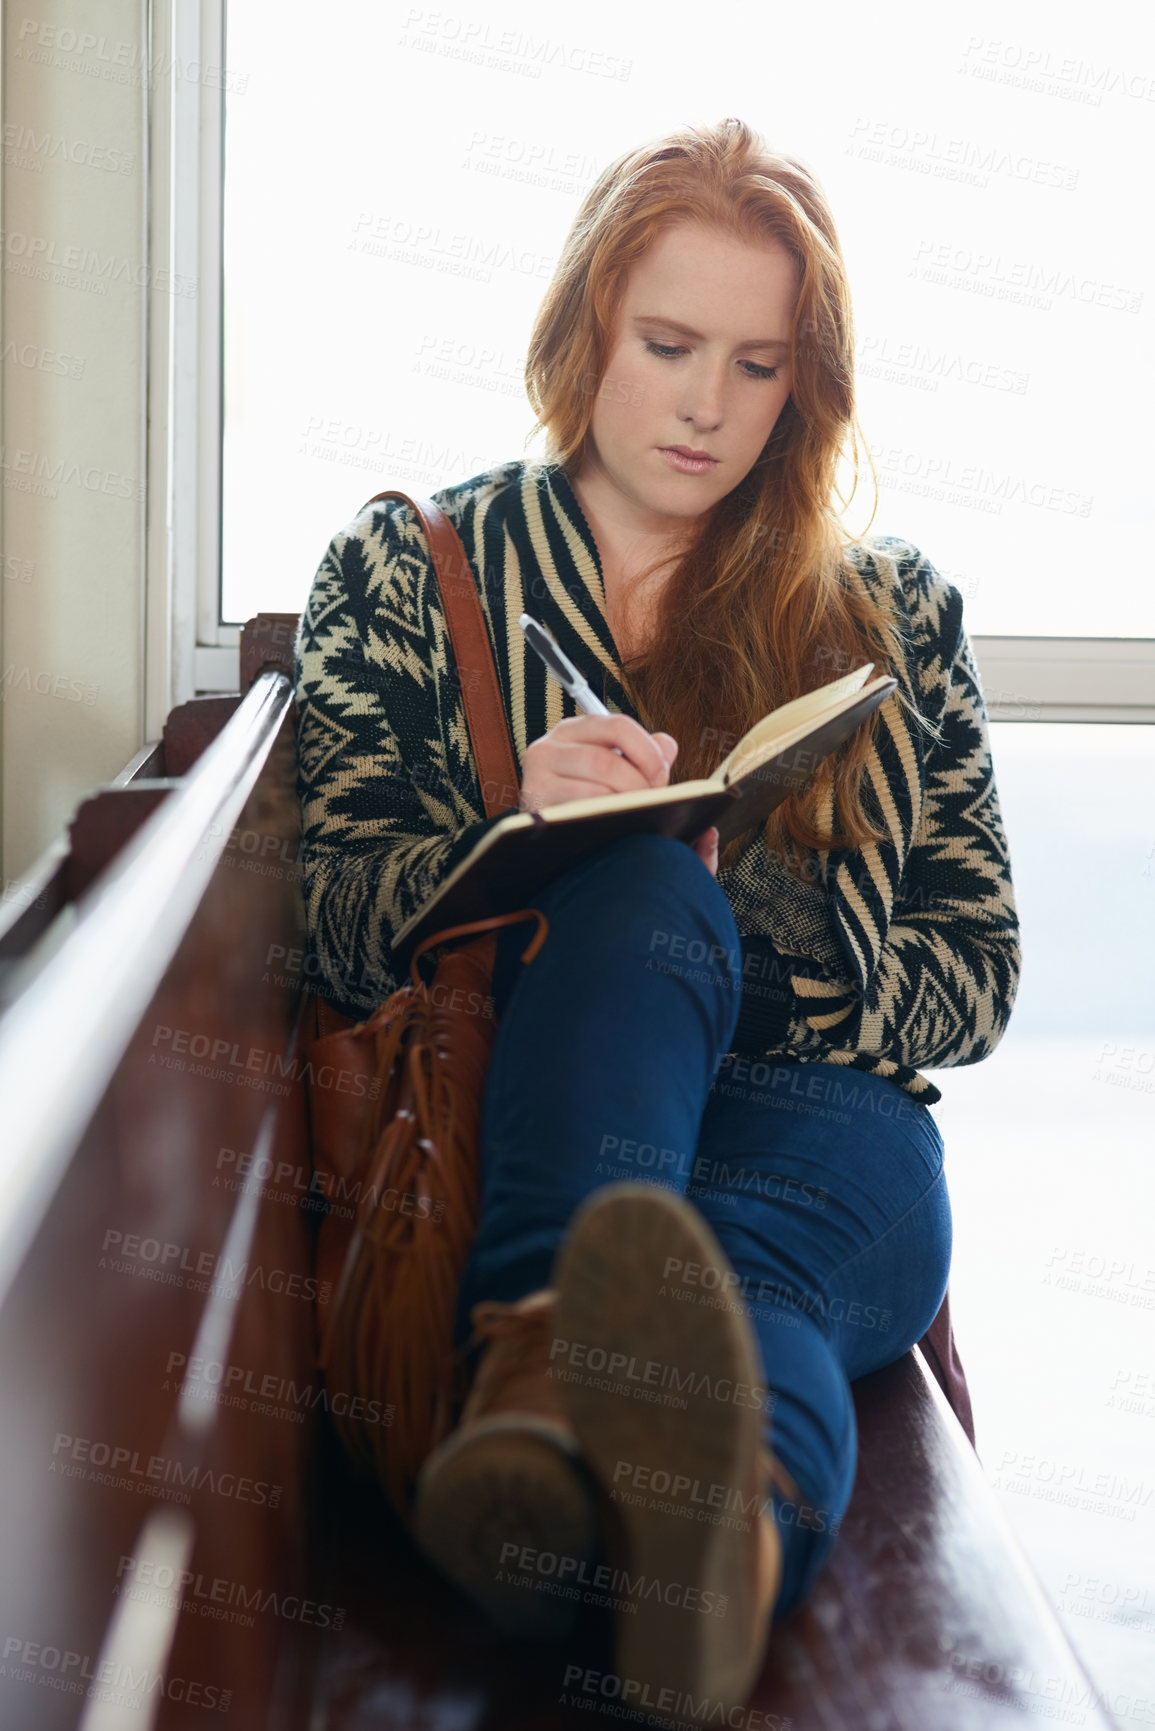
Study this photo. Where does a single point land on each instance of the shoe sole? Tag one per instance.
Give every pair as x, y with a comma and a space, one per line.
498, 1509
612, 1276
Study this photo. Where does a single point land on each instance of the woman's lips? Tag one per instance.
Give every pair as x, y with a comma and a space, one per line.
687, 465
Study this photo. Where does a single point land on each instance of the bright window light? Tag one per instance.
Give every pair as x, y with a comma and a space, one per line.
399, 182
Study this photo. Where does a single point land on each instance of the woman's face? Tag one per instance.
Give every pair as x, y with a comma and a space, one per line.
700, 360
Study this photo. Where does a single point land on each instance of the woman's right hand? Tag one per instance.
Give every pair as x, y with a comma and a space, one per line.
576, 759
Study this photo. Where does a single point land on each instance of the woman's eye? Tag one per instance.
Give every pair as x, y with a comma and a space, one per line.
667, 351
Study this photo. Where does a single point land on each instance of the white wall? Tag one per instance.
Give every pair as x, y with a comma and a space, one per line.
74, 319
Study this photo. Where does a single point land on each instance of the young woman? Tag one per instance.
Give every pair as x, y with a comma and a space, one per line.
713, 1189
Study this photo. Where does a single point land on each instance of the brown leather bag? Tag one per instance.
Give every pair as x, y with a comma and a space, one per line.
395, 1108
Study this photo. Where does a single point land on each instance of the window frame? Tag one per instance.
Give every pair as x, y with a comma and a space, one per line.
185, 357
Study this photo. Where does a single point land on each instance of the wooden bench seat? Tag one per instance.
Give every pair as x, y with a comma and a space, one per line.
926, 1618
183, 1545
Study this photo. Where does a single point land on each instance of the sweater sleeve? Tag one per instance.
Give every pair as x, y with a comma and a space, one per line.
940, 988
390, 798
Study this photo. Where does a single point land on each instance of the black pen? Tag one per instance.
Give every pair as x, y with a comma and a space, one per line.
561, 667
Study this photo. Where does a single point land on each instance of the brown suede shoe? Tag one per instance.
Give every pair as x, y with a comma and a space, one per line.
504, 1507
661, 1378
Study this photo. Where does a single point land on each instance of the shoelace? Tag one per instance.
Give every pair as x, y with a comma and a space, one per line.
522, 1322
494, 1320
773, 1469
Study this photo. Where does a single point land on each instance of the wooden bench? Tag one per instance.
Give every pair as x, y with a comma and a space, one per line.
183, 1546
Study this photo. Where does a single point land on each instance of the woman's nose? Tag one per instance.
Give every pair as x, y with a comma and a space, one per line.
702, 400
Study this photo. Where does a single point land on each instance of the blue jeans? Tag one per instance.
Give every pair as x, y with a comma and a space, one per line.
824, 1185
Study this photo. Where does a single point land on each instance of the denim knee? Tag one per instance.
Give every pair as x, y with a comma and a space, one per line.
647, 895
638, 861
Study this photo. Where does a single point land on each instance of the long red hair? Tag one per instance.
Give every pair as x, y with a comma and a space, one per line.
763, 603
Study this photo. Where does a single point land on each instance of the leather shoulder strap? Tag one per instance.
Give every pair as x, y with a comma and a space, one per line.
480, 692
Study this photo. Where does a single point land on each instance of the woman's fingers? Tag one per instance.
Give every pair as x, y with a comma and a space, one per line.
706, 848
583, 762
585, 755
622, 733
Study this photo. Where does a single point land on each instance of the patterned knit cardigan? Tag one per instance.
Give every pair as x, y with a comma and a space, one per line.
894, 957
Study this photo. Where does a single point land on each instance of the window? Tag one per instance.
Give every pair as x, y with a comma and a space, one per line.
399, 184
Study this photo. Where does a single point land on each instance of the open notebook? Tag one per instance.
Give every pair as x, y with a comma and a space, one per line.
518, 856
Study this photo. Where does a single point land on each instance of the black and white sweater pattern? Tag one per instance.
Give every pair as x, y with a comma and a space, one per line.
892, 958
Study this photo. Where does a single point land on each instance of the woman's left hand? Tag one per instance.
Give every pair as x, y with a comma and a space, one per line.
706, 848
